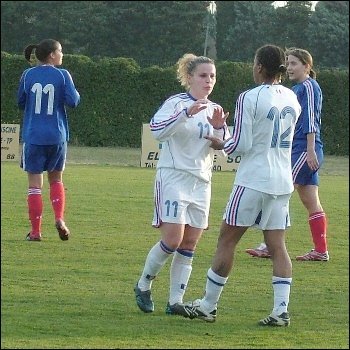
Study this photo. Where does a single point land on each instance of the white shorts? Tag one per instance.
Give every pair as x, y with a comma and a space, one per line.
247, 207
181, 198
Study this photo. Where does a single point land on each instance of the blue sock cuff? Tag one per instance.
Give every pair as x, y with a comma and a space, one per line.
165, 248
216, 279
185, 252
281, 280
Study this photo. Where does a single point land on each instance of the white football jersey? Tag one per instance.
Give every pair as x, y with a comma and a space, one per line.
183, 145
264, 123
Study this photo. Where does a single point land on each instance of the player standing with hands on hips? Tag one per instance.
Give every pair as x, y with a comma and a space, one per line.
43, 93
265, 118
307, 153
182, 188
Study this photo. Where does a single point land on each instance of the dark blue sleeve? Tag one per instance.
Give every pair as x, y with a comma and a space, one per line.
71, 95
21, 94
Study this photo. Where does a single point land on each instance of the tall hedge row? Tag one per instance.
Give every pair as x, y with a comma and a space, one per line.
117, 97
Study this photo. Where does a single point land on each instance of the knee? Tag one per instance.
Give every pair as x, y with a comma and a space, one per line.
189, 244
54, 176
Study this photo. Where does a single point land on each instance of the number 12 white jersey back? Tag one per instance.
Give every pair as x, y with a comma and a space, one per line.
264, 124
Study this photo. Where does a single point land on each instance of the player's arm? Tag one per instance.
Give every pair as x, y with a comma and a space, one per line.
21, 94
311, 156
309, 125
166, 120
242, 137
71, 95
308, 108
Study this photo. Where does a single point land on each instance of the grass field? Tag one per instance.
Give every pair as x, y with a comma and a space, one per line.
79, 294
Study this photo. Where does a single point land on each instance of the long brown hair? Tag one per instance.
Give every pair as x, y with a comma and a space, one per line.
305, 58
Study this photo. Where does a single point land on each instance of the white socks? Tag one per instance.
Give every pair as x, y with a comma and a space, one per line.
281, 291
156, 259
214, 287
180, 272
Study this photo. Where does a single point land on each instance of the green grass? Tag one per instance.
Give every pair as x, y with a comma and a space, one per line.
79, 294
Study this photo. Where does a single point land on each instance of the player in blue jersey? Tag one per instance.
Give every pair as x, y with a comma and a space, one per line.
307, 153
265, 118
43, 93
182, 188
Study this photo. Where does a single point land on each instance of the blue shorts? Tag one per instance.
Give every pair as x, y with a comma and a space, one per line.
302, 174
39, 158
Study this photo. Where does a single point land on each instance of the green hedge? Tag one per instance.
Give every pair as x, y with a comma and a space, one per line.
117, 97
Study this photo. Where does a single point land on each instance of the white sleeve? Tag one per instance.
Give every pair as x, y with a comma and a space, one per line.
166, 120
242, 138
222, 134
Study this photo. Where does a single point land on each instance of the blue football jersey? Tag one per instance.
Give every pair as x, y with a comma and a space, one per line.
44, 92
309, 95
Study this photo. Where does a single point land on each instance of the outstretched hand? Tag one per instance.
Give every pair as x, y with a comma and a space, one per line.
197, 106
216, 143
218, 118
